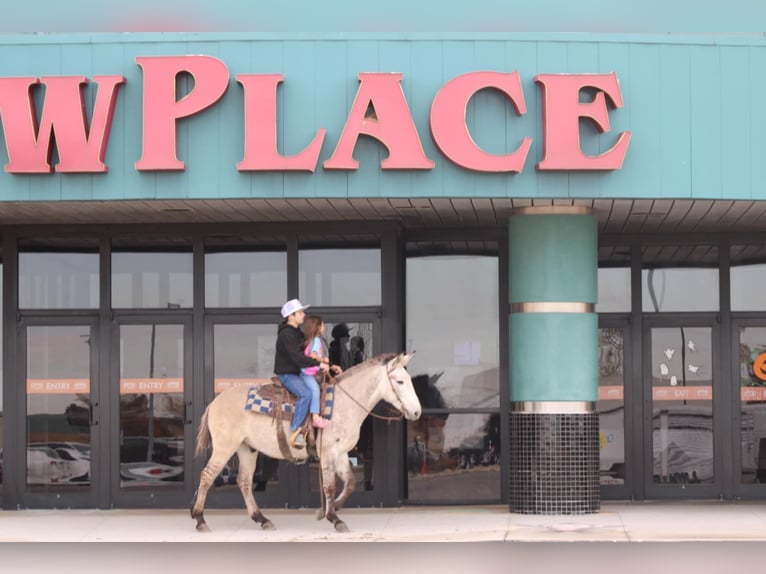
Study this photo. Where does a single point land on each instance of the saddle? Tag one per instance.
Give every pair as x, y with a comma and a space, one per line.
275, 400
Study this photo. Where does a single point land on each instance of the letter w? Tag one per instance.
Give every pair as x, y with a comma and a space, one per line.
80, 149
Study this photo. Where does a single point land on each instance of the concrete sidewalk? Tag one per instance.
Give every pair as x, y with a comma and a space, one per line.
617, 522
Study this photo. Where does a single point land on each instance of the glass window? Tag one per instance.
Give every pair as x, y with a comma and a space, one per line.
454, 328
752, 390
613, 290
613, 279
611, 405
339, 277
748, 274
58, 397
679, 278
453, 457
682, 405
58, 280
151, 412
245, 279
151, 279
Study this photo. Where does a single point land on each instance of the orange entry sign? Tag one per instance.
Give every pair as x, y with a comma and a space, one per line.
149, 386
58, 386
611, 393
753, 393
703, 393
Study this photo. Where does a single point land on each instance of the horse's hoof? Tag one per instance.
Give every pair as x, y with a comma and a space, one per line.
320, 514
203, 527
268, 525
340, 526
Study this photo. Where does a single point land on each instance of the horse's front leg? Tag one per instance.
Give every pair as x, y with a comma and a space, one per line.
247, 459
346, 475
328, 486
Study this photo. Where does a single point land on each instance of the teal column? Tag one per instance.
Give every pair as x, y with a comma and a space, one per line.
554, 360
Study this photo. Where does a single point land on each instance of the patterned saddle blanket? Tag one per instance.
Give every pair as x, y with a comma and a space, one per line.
265, 399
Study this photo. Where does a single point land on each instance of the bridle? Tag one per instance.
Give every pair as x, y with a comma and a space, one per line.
370, 411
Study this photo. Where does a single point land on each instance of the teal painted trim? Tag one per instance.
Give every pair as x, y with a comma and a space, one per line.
711, 38
554, 356
692, 104
553, 258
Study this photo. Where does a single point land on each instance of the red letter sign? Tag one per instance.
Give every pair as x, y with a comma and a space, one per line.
450, 132
392, 126
261, 129
80, 149
562, 111
162, 109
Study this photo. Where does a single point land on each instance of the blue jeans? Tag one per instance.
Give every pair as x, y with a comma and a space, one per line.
313, 385
297, 386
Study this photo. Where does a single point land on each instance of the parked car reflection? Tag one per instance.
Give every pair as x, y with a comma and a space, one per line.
58, 463
149, 473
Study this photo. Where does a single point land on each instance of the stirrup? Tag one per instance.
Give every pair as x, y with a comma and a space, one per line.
297, 440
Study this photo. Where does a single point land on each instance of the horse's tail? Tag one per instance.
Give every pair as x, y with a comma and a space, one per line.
203, 435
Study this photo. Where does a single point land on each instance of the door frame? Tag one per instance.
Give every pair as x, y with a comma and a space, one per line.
631, 413
740, 490
99, 457
163, 497
721, 402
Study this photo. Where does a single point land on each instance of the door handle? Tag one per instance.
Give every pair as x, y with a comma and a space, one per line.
92, 420
187, 412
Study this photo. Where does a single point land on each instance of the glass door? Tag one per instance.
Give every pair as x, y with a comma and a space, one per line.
350, 341
152, 434
681, 438
61, 412
241, 353
616, 409
749, 386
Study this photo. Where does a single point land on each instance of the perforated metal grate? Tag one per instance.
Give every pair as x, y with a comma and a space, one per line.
554, 463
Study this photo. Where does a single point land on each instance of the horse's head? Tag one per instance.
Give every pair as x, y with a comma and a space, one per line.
401, 393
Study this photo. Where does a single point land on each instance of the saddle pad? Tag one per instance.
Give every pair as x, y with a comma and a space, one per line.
258, 404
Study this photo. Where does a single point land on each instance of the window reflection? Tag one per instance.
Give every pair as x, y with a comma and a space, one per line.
611, 405
58, 400
151, 405
453, 457
245, 279
667, 286
339, 277
752, 391
748, 273
58, 280
455, 330
682, 405
151, 280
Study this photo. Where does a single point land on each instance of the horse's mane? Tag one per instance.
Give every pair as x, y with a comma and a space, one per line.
369, 363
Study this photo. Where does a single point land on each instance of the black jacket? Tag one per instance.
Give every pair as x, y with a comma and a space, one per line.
289, 358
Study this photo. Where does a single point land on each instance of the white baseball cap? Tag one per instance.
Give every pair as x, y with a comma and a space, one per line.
293, 306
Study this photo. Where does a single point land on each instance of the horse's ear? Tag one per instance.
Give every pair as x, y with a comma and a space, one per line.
400, 360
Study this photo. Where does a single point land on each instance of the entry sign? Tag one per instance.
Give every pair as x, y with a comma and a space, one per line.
82, 143
151, 386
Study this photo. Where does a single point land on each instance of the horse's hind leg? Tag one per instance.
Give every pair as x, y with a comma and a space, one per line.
247, 458
207, 477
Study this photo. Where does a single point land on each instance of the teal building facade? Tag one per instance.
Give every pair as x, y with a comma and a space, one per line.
568, 230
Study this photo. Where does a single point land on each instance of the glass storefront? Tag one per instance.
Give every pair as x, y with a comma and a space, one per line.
453, 451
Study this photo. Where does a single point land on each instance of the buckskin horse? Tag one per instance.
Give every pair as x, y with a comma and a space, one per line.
233, 429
